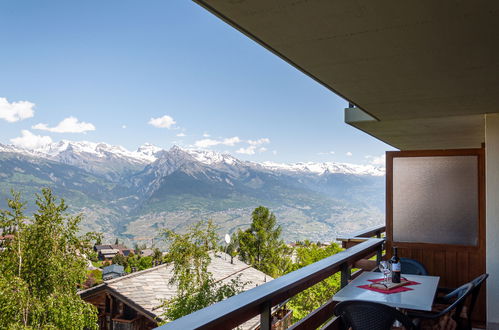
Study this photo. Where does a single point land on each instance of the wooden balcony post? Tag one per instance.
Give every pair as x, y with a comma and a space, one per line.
345, 274
379, 255
266, 317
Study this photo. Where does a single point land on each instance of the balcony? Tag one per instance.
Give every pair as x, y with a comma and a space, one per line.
230, 313
435, 210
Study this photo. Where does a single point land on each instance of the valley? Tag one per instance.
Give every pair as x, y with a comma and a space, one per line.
132, 195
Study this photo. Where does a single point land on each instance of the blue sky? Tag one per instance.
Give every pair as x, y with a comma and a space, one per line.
111, 71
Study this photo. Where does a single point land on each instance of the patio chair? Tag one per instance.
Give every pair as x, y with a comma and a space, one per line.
465, 322
449, 312
365, 315
411, 266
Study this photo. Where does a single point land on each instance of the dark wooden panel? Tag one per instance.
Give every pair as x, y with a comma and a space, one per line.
462, 264
417, 254
427, 260
451, 268
439, 266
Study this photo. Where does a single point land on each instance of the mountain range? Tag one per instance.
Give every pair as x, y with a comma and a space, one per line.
133, 194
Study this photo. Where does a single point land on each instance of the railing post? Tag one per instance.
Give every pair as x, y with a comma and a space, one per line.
379, 254
345, 274
378, 234
266, 317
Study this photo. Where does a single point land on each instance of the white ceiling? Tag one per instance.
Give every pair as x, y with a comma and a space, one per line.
401, 62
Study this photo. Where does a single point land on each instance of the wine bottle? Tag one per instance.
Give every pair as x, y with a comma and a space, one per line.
395, 263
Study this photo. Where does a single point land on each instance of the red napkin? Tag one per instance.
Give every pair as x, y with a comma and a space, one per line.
396, 290
403, 278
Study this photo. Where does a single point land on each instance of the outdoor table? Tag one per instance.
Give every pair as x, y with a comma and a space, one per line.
419, 298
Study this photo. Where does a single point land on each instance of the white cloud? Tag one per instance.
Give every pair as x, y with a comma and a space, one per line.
231, 141
259, 141
206, 135
15, 111
181, 134
377, 160
326, 153
349, 154
67, 125
29, 140
123, 126
162, 122
246, 151
251, 150
206, 143
274, 152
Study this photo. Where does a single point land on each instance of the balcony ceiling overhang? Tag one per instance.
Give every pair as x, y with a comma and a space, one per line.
425, 71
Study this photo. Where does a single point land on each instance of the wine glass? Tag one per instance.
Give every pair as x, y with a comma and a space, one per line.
384, 267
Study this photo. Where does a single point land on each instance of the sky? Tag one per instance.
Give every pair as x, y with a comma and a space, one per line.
162, 72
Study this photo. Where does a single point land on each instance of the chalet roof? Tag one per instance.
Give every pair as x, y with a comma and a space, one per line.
102, 246
148, 289
109, 251
119, 247
114, 268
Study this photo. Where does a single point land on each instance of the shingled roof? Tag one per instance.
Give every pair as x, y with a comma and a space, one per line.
149, 288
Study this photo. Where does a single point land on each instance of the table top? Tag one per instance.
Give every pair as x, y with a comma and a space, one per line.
420, 298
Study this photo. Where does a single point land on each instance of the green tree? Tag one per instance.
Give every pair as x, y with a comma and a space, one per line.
157, 255
138, 248
190, 255
144, 263
137, 262
261, 245
93, 238
120, 259
232, 248
41, 268
89, 240
312, 298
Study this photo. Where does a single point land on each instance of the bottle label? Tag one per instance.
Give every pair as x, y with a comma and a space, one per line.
396, 267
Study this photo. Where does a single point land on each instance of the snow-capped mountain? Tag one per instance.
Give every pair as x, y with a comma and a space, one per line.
144, 154
84, 153
100, 158
148, 151
326, 167
131, 193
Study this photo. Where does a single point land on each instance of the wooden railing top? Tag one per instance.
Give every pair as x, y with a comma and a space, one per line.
361, 235
237, 309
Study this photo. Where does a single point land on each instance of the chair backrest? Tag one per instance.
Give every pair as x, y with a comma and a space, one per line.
365, 315
411, 266
460, 294
477, 284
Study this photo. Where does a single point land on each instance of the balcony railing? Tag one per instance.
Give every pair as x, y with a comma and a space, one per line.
236, 310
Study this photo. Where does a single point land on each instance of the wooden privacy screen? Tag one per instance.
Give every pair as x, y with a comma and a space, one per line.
435, 213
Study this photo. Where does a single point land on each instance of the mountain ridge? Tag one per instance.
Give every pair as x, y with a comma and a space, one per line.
132, 193
148, 153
